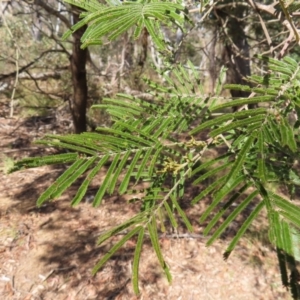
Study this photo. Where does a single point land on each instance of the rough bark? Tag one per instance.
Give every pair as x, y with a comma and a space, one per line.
78, 59
236, 54
237, 58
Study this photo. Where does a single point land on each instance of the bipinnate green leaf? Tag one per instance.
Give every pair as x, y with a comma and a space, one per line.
224, 208
66, 179
170, 214
152, 29
126, 179
284, 205
286, 210
114, 249
291, 62
242, 101
34, 162
287, 243
238, 124
91, 5
182, 214
136, 260
244, 151
243, 229
240, 158
122, 106
262, 172
152, 229
224, 191
158, 149
280, 234
71, 143
295, 237
231, 217
287, 135
121, 166
272, 130
210, 189
128, 137
84, 186
113, 20
244, 115
161, 219
291, 218
238, 87
143, 164
211, 173
209, 163
105, 184
284, 232
137, 219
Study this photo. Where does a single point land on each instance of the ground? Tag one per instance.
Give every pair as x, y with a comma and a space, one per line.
48, 253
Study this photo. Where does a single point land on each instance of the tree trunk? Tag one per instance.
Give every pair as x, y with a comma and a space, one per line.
236, 54
78, 59
237, 57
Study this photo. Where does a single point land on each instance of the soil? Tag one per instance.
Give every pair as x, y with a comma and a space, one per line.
48, 253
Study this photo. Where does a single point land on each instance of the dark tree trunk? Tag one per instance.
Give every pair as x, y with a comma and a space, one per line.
237, 57
78, 59
236, 53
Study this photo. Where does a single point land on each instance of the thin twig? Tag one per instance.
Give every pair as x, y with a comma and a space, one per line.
263, 25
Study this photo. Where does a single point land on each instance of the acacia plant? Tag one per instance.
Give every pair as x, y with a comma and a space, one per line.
162, 141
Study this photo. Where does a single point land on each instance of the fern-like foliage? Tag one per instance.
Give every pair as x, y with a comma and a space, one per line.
157, 145
155, 141
142, 145
113, 19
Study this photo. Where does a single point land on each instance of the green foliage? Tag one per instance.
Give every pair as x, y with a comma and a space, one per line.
111, 20
162, 141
